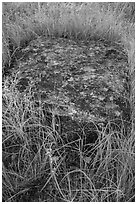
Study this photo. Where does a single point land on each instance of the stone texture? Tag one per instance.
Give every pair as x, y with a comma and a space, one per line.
86, 81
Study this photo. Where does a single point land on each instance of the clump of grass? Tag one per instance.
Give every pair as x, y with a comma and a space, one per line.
36, 158
23, 22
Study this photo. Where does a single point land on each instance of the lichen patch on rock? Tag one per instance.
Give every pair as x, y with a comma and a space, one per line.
85, 80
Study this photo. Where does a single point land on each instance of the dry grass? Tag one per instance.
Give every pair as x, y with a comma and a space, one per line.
31, 149
35, 155
23, 22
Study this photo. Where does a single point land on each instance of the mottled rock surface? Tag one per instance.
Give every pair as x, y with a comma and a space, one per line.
86, 81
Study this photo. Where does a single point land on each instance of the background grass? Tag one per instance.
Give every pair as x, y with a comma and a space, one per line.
23, 22
36, 157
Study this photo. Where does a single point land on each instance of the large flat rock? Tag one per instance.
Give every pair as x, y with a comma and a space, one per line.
86, 81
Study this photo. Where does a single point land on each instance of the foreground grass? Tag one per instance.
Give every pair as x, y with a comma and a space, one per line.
36, 156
